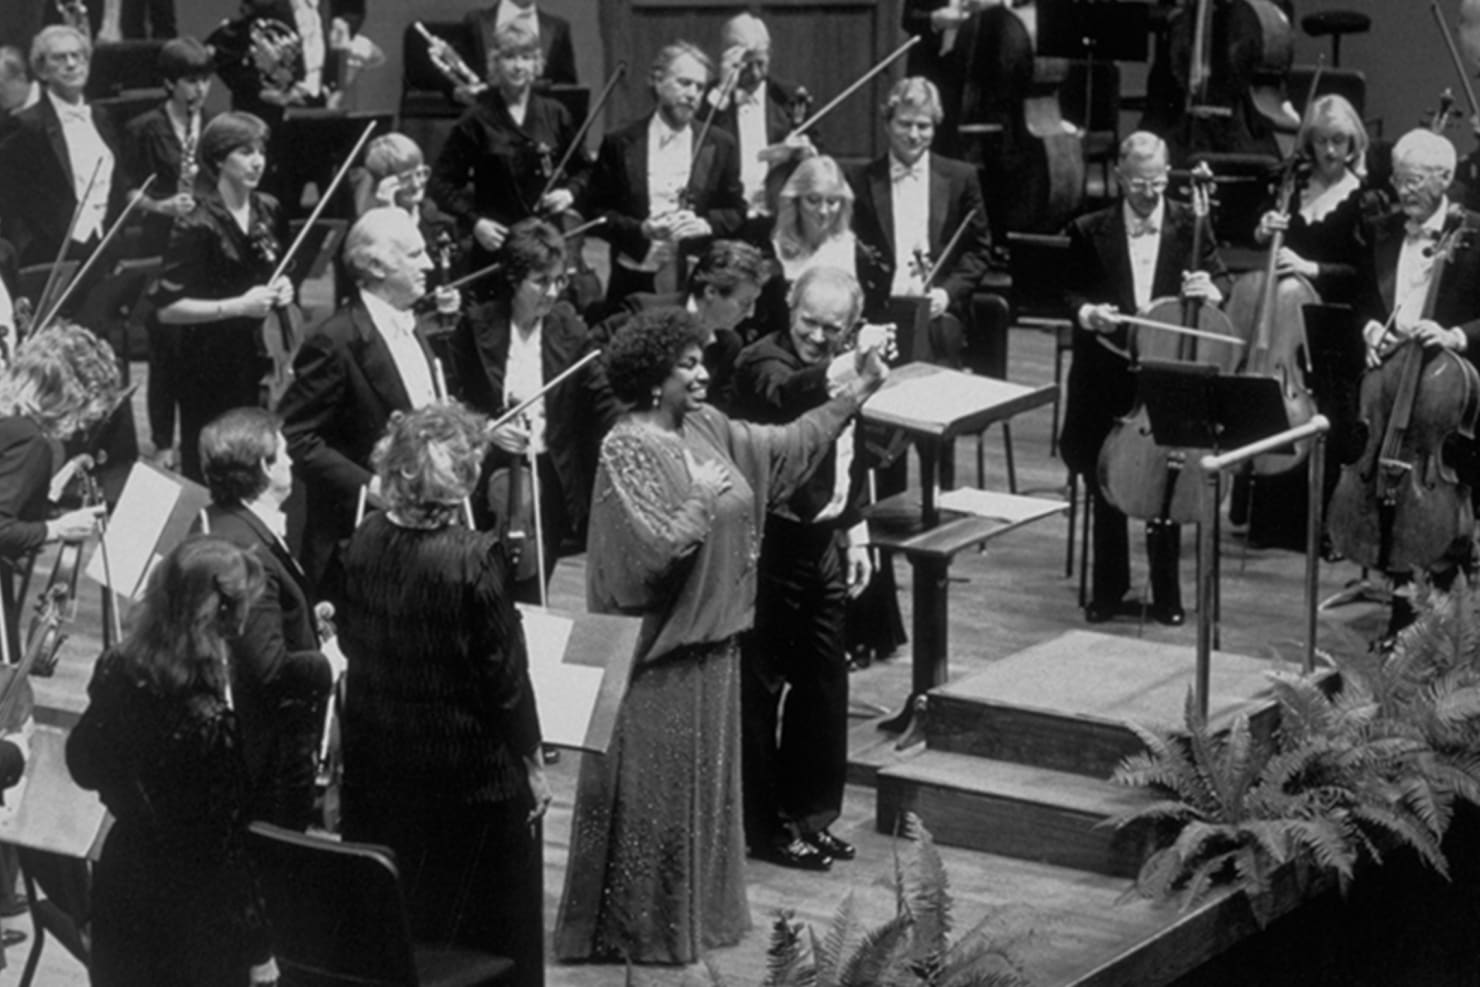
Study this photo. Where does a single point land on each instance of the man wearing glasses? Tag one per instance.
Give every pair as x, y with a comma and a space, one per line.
1120, 258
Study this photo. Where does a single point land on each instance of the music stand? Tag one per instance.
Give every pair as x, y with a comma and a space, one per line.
1094, 29
313, 143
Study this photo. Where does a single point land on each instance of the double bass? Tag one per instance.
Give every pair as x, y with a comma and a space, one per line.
1400, 505
1140, 478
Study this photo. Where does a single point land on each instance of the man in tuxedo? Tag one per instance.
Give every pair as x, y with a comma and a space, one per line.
908, 205
17, 90
51, 152
813, 556
553, 32
1120, 258
363, 363
279, 678
661, 196
755, 109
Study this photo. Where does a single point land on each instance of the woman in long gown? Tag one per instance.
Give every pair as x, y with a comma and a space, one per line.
657, 853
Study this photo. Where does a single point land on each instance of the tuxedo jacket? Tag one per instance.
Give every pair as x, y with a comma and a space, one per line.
1098, 271
577, 412
773, 386
37, 210
345, 387
618, 187
555, 42
779, 96
954, 193
1457, 303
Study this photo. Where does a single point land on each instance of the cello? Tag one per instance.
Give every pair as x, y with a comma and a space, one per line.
1140, 478
1400, 505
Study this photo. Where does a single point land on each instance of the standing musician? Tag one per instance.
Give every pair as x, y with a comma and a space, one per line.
58, 144
908, 205
557, 53
268, 69
499, 156
215, 280
1120, 258
280, 680
757, 110
350, 373
505, 352
662, 192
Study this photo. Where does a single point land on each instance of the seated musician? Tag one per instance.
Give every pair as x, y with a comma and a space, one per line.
59, 145
756, 111
395, 174
661, 195
1149, 237
908, 205
279, 679
500, 154
557, 53
504, 353
350, 373
215, 280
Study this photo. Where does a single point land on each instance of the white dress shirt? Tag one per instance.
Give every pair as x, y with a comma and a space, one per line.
310, 27
670, 156
398, 329
910, 198
85, 151
1411, 284
1143, 244
750, 124
508, 13
524, 375
839, 251
272, 516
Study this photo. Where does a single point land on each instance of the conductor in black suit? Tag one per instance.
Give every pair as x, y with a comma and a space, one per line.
662, 193
363, 363
1120, 258
813, 556
280, 680
908, 205
553, 33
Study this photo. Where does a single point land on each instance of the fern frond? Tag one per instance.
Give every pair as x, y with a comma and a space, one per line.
1164, 810
929, 900
834, 943
877, 952
1403, 830
788, 957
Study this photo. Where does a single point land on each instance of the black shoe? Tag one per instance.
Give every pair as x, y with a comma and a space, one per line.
1171, 616
1098, 611
797, 854
831, 846
550, 755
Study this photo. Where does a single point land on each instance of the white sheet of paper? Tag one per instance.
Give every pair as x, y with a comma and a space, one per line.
133, 531
565, 694
1011, 508
941, 397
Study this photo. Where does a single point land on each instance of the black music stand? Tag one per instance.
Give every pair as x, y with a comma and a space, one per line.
314, 143
1094, 29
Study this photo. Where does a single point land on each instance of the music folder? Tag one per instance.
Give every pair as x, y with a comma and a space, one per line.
1193, 406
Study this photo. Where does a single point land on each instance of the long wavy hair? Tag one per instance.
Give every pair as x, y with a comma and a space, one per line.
63, 378
815, 176
197, 600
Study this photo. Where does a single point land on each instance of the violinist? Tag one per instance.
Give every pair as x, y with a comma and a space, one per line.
214, 283
755, 109
499, 156
908, 205
1120, 258
664, 187
1322, 244
504, 352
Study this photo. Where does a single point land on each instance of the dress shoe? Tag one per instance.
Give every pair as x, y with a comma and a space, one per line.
831, 846
1098, 611
1171, 616
797, 854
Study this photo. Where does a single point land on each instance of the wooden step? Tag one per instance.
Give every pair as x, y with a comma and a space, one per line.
1065, 704
1014, 810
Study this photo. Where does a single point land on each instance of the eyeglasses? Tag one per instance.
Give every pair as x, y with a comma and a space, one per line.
545, 282
1413, 181
416, 175
1146, 185
63, 57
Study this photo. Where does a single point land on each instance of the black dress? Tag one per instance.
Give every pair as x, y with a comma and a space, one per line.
438, 713
221, 363
175, 899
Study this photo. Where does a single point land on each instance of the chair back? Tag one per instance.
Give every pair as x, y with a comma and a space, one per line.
1037, 261
336, 909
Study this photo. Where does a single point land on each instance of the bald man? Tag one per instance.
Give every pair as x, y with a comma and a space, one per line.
363, 363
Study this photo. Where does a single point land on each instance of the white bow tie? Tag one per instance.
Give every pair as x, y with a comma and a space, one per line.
899, 171
1144, 228
80, 113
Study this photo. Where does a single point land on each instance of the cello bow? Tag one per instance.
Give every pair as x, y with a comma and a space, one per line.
44, 298
575, 142
318, 209
853, 87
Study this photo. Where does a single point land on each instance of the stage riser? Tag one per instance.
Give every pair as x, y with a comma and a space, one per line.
1075, 744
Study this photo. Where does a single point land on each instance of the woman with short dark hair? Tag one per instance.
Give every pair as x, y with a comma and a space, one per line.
175, 899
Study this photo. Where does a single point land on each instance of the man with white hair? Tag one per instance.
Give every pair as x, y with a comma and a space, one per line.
1120, 258
363, 363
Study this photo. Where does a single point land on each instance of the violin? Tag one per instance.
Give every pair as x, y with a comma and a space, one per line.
511, 497
282, 330
1400, 505
1142, 479
56, 604
1268, 310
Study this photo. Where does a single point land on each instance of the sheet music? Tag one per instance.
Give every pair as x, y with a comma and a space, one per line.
1011, 508
940, 398
565, 694
134, 531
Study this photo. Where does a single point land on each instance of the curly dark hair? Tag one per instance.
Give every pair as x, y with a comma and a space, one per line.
644, 352
532, 246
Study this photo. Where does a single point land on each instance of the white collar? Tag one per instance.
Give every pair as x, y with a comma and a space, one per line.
269, 514
665, 134
385, 315
65, 109
1132, 219
1326, 201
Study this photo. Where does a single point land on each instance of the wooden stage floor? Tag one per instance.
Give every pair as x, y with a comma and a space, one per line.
1002, 601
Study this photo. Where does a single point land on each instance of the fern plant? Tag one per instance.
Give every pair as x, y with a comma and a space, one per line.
911, 949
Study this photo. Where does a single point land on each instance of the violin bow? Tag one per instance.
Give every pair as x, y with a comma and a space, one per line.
575, 142
483, 272
98, 251
439, 387
858, 83
1459, 63
318, 209
726, 90
43, 300
950, 246
523, 406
